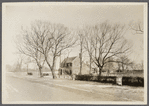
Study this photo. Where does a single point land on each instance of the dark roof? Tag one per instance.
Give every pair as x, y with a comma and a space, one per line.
69, 59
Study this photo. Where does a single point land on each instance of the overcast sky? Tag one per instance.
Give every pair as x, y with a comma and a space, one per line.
71, 15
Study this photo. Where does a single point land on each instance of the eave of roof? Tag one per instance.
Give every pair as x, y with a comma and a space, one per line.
69, 59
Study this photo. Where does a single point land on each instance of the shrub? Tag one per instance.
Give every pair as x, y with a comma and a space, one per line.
29, 73
45, 74
133, 81
83, 77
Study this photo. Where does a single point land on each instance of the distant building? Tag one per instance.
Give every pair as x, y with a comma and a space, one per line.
71, 65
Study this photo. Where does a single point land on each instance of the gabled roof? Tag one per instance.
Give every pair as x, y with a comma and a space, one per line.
69, 59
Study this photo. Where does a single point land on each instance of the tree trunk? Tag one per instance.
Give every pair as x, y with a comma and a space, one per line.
53, 74
53, 68
81, 63
80, 55
40, 73
100, 69
90, 63
122, 67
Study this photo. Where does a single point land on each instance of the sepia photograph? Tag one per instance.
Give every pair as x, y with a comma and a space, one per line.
74, 53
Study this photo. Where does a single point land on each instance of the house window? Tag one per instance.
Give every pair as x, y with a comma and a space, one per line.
70, 64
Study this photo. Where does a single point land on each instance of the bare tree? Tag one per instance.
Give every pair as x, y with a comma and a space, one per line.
139, 66
109, 66
45, 42
58, 40
27, 62
80, 55
137, 27
49, 40
30, 46
88, 42
107, 42
19, 62
124, 63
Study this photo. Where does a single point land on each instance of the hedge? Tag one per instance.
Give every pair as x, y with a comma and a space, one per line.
104, 79
131, 81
